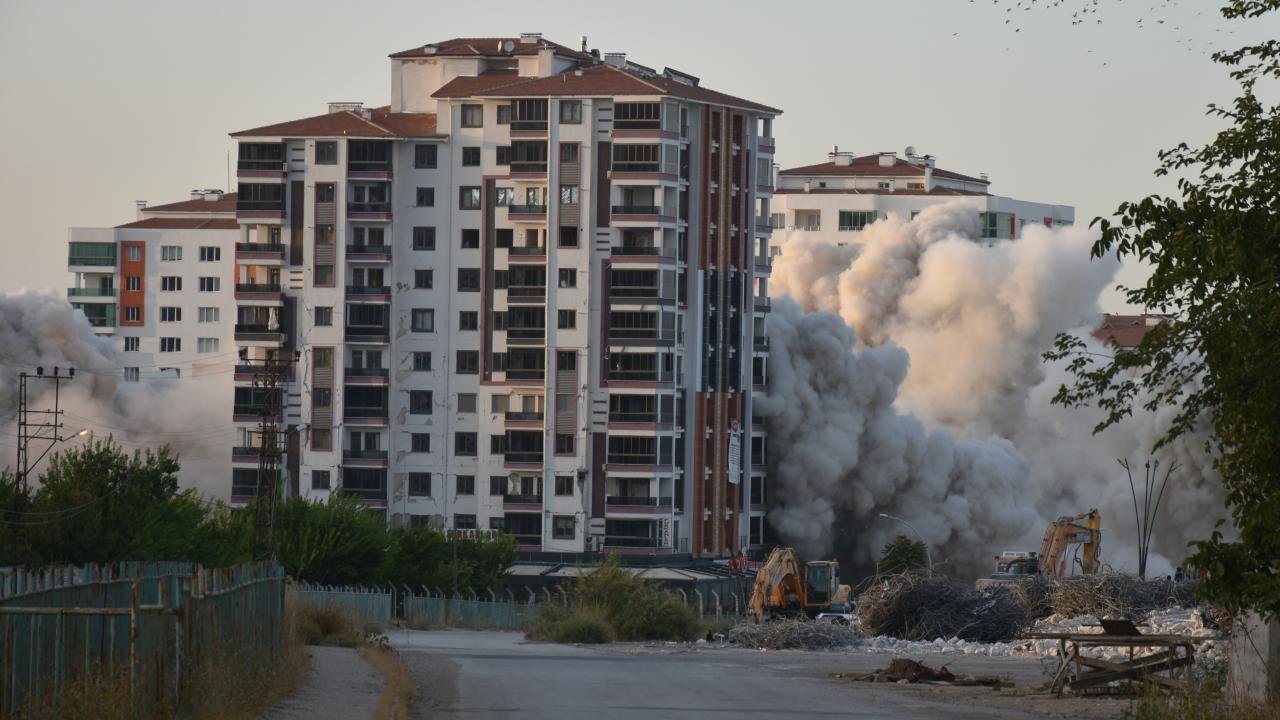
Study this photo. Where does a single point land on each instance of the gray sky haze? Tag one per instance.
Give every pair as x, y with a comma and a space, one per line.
107, 103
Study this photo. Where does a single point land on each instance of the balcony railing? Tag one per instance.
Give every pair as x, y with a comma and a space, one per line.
378, 493
624, 166
634, 375
260, 247
522, 374
260, 165
245, 450
524, 415
257, 287
631, 291
636, 250
92, 260
807, 227
526, 210
633, 459
629, 541
364, 412
638, 500
761, 342
522, 499
368, 290
523, 457
762, 303
349, 454
260, 205
529, 167
527, 250
637, 210
91, 292
364, 166
526, 291
528, 124
101, 321
242, 328
642, 417
369, 207
526, 334
368, 249
367, 333
365, 372
633, 333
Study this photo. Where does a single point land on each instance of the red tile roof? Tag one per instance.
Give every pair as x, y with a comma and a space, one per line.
182, 224
1127, 331
487, 47
224, 204
381, 123
869, 166
594, 80
874, 191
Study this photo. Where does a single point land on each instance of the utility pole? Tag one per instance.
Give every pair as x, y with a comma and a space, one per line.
46, 430
267, 395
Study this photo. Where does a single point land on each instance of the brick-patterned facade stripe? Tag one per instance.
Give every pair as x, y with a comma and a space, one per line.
869, 166
381, 123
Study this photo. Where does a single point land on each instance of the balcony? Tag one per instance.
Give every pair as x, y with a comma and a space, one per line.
368, 211
529, 294
259, 251
348, 454
760, 342
246, 332
522, 458
369, 169
636, 210
358, 411
646, 334
762, 304
528, 170
632, 459
526, 212
527, 251
647, 418
369, 253
95, 255
521, 499
365, 372
91, 292
260, 206
367, 494
244, 451
526, 336
631, 542
276, 165
369, 334
766, 144
763, 263
525, 374
637, 504
529, 125
806, 227
523, 416
369, 290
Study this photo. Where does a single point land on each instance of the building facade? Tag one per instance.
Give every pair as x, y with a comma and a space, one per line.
837, 198
527, 295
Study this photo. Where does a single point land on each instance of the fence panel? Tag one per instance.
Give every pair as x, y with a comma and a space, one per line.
371, 606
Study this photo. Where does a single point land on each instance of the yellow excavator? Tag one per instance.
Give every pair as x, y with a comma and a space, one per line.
785, 587
1082, 531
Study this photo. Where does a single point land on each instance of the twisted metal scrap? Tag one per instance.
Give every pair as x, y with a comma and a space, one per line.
918, 607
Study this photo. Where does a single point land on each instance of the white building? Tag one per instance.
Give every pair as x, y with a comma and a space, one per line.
848, 192
529, 295
161, 286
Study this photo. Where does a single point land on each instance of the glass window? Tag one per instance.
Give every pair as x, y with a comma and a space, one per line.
469, 279
505, 196
426, 197
464, 522
170, 283
497, 485
322, 357
324, 316
471, 157
422, 279
564, 444
571, 112
210, 253
472, 116
419, 484
131, 344
210, 284
170, 314
568, 152
502, 155
424, 156
419, 402
321, 439
319, 479
170, 344
564, 484
468, 198
468, 320
424, 238
206, 345
504, 114
568, 277
567, 319
569, 195
562, 527
467, 403
422, 362
424, 320
568, 237
170, 253
468, 362
464, 444
470, 239
326, 154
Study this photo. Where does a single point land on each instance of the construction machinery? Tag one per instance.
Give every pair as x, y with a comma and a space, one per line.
785, 587
1070, 542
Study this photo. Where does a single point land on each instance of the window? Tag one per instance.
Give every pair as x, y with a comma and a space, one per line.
319, 478
170, 283
170, 314
321, 439
562, 527
322, 357
568, 277
505, 196
464, 522
467, 403
206, 345
170, 344
131, 374
856, 220
497, 444
497, 485
419, 484
466, 485
207, 314
464, 444
471, 157
326, 154
566, 360
568, 237
324, 316
419, 402
424, 320
569, 195
502, 155
504, 114
469, 279
468, 320
323, 276
567, 319
568, 152
210, 284
422, 362
420, 442
422, 279
426, 197
470, 239
884, 185
424, 238
571, 112
322, 397
472, 116
469, 198
210, 253
132, 314
133, 253
170, 253
131, 344
424, 156
133, 283
499, 320
325, 192
564, 484
468, 362
564, 444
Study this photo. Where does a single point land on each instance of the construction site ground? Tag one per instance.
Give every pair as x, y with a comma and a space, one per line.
463, 673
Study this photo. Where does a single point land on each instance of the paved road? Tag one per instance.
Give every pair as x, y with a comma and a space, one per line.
341, 686
467, 674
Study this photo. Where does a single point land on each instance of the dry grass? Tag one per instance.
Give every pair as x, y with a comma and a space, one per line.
324, 624
1204, 702
398, 687
106, 698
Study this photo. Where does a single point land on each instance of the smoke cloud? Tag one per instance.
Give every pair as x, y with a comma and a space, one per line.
961, 440
189, 414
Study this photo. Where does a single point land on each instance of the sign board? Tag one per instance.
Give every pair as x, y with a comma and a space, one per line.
596, 526
735, 454
664, 532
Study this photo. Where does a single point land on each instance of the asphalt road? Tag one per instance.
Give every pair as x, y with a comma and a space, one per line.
468, 674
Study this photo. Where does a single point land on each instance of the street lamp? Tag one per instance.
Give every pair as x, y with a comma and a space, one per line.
928, 558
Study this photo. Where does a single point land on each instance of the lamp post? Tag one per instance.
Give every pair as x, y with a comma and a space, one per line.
928, 558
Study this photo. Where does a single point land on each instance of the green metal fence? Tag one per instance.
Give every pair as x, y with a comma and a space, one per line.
370, 605
150, 624
436, 610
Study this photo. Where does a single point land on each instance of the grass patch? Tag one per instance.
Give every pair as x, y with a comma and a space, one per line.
1205, 701
106, 698
612, 604
325, 624
398, 687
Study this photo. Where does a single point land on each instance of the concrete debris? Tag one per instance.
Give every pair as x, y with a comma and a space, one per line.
795, 635
1115, 595
912, 606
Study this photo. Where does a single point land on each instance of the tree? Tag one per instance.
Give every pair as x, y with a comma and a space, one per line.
902, 554
1214, 250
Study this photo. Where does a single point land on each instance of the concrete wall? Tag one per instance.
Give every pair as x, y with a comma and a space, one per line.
1254, 660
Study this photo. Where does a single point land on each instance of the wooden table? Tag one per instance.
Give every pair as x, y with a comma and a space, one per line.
1149, 655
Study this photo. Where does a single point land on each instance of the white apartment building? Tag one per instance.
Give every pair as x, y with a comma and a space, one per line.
848, 192
161, 286
529, 294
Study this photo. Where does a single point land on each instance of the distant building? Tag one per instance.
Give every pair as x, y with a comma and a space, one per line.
848, 192
162, 286
1127, 331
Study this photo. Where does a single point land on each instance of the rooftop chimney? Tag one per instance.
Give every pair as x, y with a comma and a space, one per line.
337, 107
840, 159
197, 194
888, 159
616, 59
527, 38
140, 206
583, 40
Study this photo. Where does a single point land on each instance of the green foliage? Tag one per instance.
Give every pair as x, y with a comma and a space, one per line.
902, 554
629, 607
334, 543
587, 626
421, 556
1214, 251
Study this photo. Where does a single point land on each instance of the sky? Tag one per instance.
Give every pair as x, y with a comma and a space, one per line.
108, 103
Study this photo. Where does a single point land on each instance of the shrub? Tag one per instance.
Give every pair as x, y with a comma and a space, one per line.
324, 624
586, 625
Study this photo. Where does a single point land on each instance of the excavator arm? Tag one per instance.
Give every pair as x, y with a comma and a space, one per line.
1065, 532
779, 583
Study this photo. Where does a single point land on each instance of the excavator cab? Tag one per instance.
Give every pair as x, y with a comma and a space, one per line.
820, 580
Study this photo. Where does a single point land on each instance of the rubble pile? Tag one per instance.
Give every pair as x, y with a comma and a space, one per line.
911, 606
794, 635
1109, 595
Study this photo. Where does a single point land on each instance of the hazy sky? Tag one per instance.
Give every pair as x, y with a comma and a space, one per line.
110, 102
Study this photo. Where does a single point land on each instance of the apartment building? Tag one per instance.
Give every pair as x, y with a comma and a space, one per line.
528, 295
161, 286
845, 194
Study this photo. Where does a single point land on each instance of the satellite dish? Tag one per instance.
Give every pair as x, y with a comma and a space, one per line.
508, 46
911, 150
